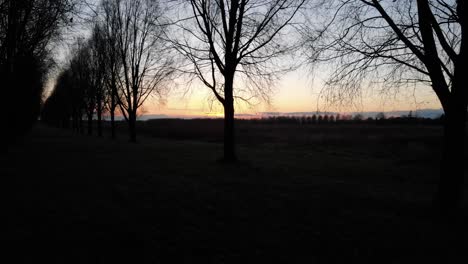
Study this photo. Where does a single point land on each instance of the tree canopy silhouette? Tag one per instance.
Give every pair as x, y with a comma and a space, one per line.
122, 64
396, 44
27, 29
226, 40
145, 59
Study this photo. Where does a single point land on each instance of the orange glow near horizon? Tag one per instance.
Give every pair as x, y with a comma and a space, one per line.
295, 93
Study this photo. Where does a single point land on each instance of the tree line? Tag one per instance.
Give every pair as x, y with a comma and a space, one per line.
122, 63
237, 49
318, 119
28, 30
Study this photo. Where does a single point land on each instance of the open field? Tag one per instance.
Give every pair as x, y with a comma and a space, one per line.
300, 194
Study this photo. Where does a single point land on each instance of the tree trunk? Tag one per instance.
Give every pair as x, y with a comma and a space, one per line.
229, 139
112, 113
132, 127
80, 123
452, 171
90, 124
99, 116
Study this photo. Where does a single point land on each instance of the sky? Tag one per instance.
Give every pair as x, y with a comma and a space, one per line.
297, 91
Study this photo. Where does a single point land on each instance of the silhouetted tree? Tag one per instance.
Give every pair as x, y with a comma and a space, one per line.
112, 63
358, 117
380, 116
399, 43
337, 118
146, 60
57, 110
98, 60
320, 119
325, 119
68, 100
27, 29
314, 119
225, 37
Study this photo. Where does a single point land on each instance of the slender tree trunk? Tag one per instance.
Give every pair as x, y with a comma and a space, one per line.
80, 123
99, 119
73, 121
229, 137
90, 124
132, 126
112, 113
112, 110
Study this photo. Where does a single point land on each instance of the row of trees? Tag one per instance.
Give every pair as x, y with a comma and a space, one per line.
346, 119
124, 62
234, 47
27, 31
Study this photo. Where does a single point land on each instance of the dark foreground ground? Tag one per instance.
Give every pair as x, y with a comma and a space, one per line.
313, 196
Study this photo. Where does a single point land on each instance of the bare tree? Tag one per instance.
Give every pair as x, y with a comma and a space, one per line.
68, 100
98, 60
144, 56
27, 29
110, 57
225, 37
402, 43
84, 94
58, 110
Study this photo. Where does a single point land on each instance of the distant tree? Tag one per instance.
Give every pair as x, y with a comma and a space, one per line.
110, 55
229, 38
338, 118
98, 60
358, 117
380, 116
87, 82
146, 60
400, 43
314, 119
78, 90
57, 110
320, 119
325, 119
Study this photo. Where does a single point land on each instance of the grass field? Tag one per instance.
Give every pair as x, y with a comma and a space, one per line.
300, 194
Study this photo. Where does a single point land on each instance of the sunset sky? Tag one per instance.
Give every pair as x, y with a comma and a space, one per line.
296, 92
